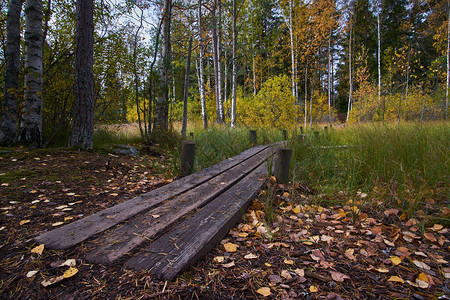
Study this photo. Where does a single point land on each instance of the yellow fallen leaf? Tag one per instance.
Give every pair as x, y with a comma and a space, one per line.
68, 218
5, 184
349, 254
230, 247
313, 289
38, 249
423, 277
114, 194
396, 260
264, 291
382, 270
219, 259
296, 210
267, 264
437, 227
70, 272
288, 261
57, 224
396, 279
286, 194
24, 222
243, 234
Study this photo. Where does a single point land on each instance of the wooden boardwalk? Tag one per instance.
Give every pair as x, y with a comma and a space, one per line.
170, 228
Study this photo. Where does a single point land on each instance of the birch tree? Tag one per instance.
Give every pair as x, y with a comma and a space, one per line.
8, 126
161, 119
234, 72
201, 82
83, 107
30, 132
186, 88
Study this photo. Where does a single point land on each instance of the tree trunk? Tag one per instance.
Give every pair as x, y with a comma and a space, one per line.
201, 67
219, 59
136, 78
83, 107
31, 124
379, 52
329, 75
234, 72
216, 64
161, 119
293, 67
350, 82
186, 89
8, 127
448, 64
306, 94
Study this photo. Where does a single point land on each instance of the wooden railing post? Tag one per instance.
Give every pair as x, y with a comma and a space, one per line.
281, 165
285, 135
301, 129
187, 158
191, 135
252, 137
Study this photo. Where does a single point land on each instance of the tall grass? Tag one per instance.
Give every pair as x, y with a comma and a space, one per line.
406, 164
116, 134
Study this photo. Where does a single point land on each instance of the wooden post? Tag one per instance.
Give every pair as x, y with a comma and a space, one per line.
325, 128
187, 158
253, 138
281, 165
191, 135
285, 134
301, 129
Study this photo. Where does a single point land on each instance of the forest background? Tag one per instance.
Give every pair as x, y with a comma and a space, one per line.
265, 63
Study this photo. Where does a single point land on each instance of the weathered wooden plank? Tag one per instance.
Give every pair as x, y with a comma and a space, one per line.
193, 238
112, 245
78, 231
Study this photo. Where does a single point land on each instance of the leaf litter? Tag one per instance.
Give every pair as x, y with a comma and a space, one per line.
306, 250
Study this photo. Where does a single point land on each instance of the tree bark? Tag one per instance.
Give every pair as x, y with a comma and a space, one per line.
186, 89
201, 67
448, 64
293, 60
8, 127
219, 59
83, 107
161, 119
234, 72
31, 124
350, 82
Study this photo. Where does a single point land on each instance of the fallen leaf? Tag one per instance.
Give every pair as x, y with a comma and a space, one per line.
339, 277
70, 194
296, 210
219, 259
382, 270
274, 279
38, 249
396, 279
23, 222
70, 272
114, 194
313, 289
349, 254
229, 265
264, 291
69, 263
243, 234
423, 277
155, 216
5, 184
421, 265
230, 247
285, 274
288, 261
422, 284
57, 224
300, 272
392, 211
250, 256
51, 281
31, 273
429, 236
437, 227
396, 260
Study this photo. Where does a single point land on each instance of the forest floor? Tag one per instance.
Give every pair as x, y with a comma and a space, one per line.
358, 249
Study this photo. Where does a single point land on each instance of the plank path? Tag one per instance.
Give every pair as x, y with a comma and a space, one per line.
172, 227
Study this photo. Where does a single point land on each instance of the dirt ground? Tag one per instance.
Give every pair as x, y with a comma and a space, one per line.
356, 250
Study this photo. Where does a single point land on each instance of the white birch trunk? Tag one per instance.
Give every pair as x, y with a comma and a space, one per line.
234, 72
31, 123
219, 60
349, 108
8, 127
201, 68
294, 69
254, 75
186, 89
448, 65
379, 53
306, 94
